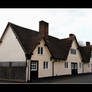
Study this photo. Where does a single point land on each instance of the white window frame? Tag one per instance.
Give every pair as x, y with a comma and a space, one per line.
72, 52
44, 67
76, 67
66, 64
80, 65
91, 65
40, 50
88, 65
32, 66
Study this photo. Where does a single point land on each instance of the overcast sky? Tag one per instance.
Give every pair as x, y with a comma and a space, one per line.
61, 21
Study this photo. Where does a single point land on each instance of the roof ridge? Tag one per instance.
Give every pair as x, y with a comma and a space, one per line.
10, 23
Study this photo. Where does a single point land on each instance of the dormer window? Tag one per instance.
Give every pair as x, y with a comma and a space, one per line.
73, 51
40, 50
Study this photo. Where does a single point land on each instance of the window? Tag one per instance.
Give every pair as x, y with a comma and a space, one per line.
66, 64
45, 65
80, 65
73, 51
76, 66
89, 65
40, 50
33, 66
72, 66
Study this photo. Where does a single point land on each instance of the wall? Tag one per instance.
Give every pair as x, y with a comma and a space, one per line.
41, 58
60, 65
10, 49
59, 68
86, 68
75, 58
91, 64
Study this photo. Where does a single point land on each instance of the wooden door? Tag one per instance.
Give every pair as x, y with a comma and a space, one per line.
74, 68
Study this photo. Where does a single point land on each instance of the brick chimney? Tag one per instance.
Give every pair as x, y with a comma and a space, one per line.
71, 36
87, 43
43, 29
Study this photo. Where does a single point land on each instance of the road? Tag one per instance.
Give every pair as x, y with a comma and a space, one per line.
80, 79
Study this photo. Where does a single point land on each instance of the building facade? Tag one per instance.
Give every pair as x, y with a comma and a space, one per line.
26, 54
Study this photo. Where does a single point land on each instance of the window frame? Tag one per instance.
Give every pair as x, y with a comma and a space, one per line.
73, 51
91, 65
80, 65
88, 65
34, 66
45, 65
66, 64
40, 50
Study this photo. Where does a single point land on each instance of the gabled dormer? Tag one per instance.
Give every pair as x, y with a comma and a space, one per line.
74, 52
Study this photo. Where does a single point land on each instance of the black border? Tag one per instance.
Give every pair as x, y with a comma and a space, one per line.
47, 87
45, 4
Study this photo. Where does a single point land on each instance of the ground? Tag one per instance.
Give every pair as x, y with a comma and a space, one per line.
61, 80
83, 79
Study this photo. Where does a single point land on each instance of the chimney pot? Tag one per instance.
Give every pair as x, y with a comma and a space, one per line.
87, 43
71, 35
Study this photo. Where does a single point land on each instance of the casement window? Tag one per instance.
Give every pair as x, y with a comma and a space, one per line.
40, 50
80, 65
34, 66
91, 66
73, 51
66, 64
88, 65
45, 65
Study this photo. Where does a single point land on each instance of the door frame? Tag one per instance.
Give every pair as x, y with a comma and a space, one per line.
37, 68
75, 69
